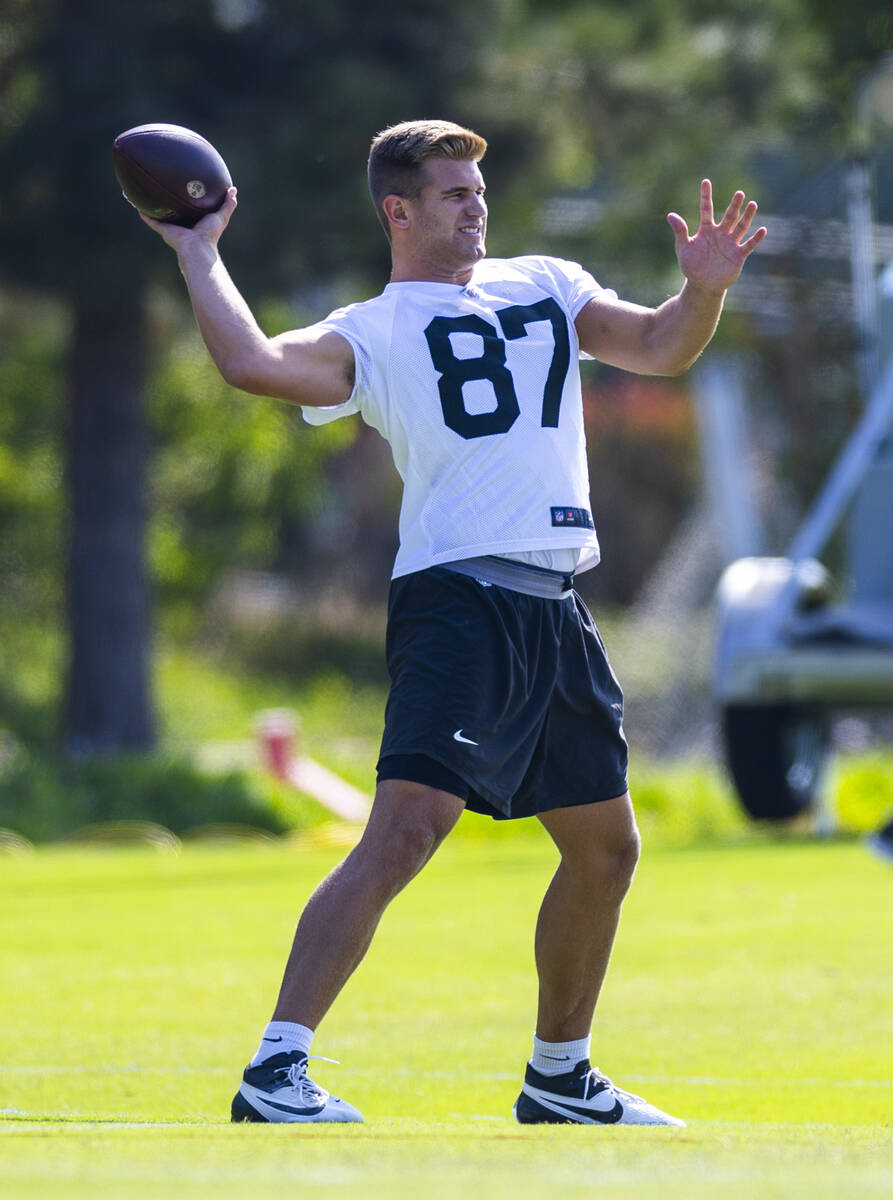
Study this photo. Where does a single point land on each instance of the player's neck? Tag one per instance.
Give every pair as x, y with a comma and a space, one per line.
405, 269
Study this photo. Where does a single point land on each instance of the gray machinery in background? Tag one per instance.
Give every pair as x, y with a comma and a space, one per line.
787, 655
790, 651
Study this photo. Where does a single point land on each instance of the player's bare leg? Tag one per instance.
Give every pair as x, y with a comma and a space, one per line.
407, 823
599, 847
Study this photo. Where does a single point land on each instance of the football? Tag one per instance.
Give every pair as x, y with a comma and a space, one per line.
170, 173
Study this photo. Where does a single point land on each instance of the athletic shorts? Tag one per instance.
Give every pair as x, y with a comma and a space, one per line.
504, 699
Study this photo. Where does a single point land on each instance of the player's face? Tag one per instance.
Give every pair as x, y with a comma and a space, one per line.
450, 215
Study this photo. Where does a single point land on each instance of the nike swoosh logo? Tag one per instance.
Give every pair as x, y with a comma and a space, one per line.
593, 1115
268, 1039
457, 737
262, 1101
557, 1057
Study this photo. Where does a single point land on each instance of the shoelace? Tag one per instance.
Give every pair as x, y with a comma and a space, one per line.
602, 1078
308, 1091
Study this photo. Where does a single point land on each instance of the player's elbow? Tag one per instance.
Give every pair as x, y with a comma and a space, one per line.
247, 373
673, 368
662, 365
238, 376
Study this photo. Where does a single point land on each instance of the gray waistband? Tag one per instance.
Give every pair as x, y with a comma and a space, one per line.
520, 577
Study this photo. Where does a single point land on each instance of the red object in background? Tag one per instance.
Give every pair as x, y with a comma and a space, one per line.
278, 733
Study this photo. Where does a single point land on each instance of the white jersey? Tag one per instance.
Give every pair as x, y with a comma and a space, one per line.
477, 390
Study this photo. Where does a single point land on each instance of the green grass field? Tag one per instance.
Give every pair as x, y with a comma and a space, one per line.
750, 992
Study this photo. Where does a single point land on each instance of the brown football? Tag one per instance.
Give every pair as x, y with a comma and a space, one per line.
170, 173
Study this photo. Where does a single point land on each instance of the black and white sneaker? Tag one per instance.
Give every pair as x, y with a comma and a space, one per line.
582, 1096
279, 1090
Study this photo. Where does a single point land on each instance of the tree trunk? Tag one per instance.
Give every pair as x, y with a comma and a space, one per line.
109, 705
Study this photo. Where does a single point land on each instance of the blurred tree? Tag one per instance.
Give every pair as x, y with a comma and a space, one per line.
234, 479
861, 32
635, 104
619, 106
31, 344
291, 93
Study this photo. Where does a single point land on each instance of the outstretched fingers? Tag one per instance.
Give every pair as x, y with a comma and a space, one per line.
706, 206
754, 240
744, 220
679, 227
743, 226
735, 221
738, 222
713, 258
732, 215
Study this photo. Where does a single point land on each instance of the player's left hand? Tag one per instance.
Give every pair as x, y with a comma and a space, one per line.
713, 258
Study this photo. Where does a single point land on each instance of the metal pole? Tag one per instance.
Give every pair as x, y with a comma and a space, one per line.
862, 257
719, 394
872, 110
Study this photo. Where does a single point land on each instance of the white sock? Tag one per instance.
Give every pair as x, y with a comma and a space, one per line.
557, 1058
282, 1037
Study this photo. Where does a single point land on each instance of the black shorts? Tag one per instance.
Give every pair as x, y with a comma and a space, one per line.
504, 699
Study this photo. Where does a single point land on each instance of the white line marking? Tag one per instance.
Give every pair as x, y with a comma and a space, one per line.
492, 1076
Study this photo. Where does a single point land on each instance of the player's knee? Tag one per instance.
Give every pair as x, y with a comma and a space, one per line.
609, 866
626, 859
412, 844
395, 854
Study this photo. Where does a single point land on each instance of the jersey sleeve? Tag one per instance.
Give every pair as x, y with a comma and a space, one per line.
343, 322
572, 283
580, 285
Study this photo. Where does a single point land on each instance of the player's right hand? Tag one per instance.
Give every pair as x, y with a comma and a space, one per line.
208, 229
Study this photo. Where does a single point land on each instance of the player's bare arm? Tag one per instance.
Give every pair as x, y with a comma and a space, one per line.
304, 366
668, 339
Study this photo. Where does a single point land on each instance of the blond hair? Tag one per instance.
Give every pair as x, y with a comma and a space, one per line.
397, 157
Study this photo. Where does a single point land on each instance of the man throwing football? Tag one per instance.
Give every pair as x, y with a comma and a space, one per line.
502, 699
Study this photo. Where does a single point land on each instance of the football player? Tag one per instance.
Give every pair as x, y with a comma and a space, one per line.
502, 699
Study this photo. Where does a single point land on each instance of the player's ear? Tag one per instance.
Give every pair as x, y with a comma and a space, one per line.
396, 211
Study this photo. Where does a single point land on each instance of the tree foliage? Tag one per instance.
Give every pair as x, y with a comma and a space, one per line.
636, 104
622, 107
290, 94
